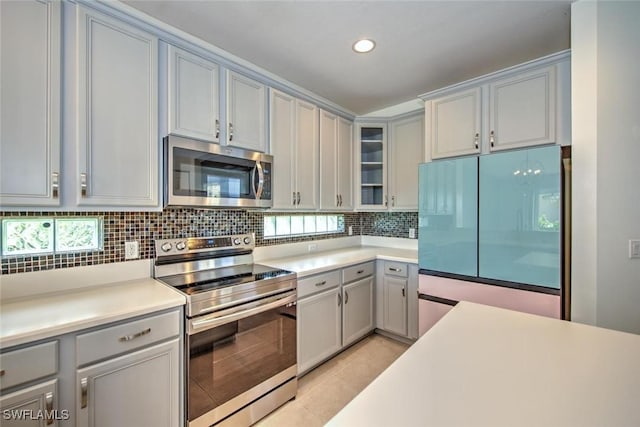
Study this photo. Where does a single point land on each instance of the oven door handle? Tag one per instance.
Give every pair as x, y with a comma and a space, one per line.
240, 312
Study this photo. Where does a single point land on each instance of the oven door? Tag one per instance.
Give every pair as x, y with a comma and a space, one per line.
202, 174
238, 355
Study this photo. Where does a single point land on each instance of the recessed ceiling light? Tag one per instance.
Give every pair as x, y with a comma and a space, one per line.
364, 46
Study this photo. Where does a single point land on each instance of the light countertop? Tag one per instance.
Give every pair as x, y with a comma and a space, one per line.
318, 262
486, 366
37, 317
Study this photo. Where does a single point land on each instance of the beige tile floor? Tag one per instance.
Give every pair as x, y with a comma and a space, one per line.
329, 387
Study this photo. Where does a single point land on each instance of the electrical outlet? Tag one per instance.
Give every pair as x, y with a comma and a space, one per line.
131, 250
350, 230
312, 247
634, 248
412, 233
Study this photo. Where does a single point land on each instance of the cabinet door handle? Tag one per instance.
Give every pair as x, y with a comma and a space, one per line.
55, 185
402, 291
84, 391
324, 282
492, 138
393, 201
136, 335
340, 199
346, 297
385, 201
48, 402
230, 131
294, 197
339, 300
217, 128
83, 184
359, 271
298, 198
395, 269
476, 138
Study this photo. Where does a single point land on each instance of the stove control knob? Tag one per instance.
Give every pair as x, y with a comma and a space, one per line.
166, 247
181, 246
236, 241
247, 240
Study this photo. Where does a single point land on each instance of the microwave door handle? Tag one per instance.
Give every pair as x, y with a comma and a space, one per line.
260, 180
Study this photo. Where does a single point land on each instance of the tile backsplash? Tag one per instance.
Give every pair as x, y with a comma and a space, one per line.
146, 227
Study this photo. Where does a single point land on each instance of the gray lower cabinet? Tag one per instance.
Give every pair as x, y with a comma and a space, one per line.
319, 325
397, 298
335, 309
34, 406
136, 389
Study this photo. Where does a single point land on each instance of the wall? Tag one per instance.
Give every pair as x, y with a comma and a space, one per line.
606, 153
146, 227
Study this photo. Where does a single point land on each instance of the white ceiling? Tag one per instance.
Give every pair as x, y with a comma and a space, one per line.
421, 45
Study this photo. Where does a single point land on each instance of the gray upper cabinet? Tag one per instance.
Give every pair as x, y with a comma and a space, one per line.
456, 124
117, 147
406, 152
294, 145
336, 162
30, 33
522, 110
193, 96
246, 113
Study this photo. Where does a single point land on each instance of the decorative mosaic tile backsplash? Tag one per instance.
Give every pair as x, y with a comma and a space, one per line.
146, 227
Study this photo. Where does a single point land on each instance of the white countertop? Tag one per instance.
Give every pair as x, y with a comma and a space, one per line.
486, 366
318, 262
37, 317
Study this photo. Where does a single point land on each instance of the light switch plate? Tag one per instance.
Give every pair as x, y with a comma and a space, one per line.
412, 233
634, 248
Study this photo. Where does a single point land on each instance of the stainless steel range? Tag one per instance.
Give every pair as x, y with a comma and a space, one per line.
240, 328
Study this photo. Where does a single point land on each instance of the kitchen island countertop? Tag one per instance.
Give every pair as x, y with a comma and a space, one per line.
486, 366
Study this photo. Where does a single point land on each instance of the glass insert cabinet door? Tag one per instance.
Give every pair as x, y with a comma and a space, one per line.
447, 221
519, 216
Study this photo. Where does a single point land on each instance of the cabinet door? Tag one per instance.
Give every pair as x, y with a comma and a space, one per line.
395, 305
455, 124
344, 162
373, 167
357, 310
319, 319
405, 155
246, 112
38, 399
523, 110
137, 389
283, 132
117, 113
193, 104
329, 199
30, 102
306, 160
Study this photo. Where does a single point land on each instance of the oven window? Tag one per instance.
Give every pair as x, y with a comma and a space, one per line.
211, 175
228, 360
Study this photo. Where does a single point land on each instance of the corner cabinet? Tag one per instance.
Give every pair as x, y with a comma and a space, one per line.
372, 166
294, 146
336, 162
117, 112
193, 96
30, 77
246, 113
519, 107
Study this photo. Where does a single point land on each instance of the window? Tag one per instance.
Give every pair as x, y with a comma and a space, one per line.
44, 235
301, 225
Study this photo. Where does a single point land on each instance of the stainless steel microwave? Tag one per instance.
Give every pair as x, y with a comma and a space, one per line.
203, 174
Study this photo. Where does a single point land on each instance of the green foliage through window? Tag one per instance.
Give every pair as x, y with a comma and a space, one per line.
43, 235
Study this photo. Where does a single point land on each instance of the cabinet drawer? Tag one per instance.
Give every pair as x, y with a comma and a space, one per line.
126, 337
399, 269
28, 364
317, 283
356, 272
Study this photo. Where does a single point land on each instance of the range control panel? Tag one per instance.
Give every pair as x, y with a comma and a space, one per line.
190, 245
